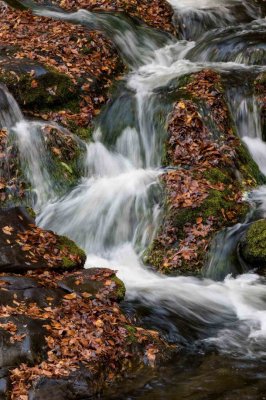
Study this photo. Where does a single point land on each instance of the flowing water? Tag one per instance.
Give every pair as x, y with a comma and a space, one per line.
114, 210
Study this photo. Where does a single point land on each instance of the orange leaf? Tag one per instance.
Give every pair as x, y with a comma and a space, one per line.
7, 230
70, 296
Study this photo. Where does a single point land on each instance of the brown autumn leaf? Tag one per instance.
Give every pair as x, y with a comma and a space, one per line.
26, 247
34, 84
86, 295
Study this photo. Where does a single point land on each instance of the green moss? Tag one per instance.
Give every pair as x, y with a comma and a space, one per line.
67, 263
120, 288
87, 50
49, 89
83, 133
215, 175
254, 244
72, 248
65, 175
131, 330
31, 212
154, 255
216, 205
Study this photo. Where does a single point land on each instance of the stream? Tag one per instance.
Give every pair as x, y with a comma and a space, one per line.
219, 320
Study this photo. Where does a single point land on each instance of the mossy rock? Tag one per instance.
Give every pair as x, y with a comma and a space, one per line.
253, 244
36, 86
85, 134
64, 155
30, 247
186, 231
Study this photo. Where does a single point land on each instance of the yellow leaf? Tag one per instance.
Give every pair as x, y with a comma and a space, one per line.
182, 105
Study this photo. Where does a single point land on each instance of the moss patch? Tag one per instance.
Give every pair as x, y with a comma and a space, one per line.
72, 250
38, 92
120, 290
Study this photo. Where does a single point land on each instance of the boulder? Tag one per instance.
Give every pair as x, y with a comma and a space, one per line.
24, 246
208, 169
60, 341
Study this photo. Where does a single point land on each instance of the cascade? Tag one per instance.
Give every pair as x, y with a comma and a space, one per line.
114, 211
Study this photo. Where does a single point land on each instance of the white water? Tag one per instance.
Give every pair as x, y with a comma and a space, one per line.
35, 161
247, 114
206, 5
197, 16
113, 213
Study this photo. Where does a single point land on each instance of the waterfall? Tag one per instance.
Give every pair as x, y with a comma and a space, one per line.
114, 211
10, 112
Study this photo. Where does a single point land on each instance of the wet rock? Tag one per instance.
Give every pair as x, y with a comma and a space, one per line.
29, 291
88, 284
22, 340
79, 385
35, 85
92, 281
23, 246
4, 384
7, 50
253, 245
66, 153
